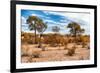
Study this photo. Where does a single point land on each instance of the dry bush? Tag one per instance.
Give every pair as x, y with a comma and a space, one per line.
27, 51
55, 40
71, 52
50, 39
81, 58
84, 40
63, 41
24, 50
71, 39
43, 48
36, 54
29, 38
65, 47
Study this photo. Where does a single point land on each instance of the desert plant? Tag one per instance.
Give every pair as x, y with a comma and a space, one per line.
41, 27
75, 29
84, 40
35, 23
24, 50
88, 47
81, 58
24, 54
71, 52
27, 38
32, 21
65, 47
35, 54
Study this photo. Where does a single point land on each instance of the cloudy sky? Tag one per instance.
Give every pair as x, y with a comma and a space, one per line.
56, 18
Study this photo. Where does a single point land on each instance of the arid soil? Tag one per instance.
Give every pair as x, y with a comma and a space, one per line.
31, 53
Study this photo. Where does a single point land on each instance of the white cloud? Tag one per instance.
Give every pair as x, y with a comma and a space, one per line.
23, 20
50, 21
81, 18
37, 15
50, 12
41, 16
63, 20
71, 15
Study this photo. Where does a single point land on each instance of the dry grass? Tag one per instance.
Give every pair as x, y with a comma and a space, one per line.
33, 54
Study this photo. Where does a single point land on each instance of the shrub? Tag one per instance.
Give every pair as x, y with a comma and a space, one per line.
71, 52
43, 48
65, 47
81, 58
84, 40
36, 54
24, 50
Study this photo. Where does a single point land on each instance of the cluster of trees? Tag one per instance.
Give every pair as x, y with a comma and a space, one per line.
37, 24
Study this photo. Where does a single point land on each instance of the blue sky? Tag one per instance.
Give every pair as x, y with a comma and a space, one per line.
56, 18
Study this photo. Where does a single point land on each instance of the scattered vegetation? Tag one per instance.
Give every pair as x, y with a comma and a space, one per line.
52, 40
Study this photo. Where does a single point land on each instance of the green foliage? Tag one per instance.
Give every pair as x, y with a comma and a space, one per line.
32, 20
75, 28
37, 24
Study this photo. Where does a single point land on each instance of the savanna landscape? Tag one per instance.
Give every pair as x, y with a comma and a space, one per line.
59, 38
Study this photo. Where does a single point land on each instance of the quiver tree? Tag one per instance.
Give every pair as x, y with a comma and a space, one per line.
32, 21
40, 27
37, 24
75, 29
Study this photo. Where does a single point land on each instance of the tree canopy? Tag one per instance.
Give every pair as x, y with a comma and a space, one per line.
75, 28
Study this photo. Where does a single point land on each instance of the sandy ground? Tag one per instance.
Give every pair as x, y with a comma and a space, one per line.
30, 53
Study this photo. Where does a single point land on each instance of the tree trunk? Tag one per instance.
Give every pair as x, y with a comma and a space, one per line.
35, 37
75, 40
40, 41
75, 36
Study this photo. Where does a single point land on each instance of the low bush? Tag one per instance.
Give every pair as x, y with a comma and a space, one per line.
36, 54
71, 52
